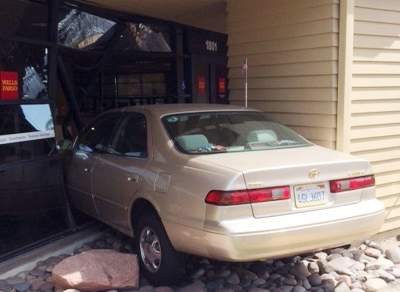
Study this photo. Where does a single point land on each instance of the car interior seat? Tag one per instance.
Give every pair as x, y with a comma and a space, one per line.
193, 143
262, 136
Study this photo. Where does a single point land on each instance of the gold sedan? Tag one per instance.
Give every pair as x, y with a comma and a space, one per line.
221, 182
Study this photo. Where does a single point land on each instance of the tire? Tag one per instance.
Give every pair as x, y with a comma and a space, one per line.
171, 265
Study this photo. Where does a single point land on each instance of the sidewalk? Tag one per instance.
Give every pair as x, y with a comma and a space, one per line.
66, 245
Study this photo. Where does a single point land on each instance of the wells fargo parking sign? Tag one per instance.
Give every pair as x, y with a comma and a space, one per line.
8, 86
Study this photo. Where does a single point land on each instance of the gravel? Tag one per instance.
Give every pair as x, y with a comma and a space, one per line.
372, 266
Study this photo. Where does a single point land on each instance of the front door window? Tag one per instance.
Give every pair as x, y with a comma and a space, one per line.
98, 135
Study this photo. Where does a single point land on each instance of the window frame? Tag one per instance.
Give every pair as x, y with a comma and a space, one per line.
52, 153
116, 137
119, 117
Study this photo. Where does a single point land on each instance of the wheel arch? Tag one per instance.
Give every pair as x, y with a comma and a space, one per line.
139, 207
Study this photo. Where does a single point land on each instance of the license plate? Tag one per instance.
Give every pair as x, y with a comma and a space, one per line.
310, 195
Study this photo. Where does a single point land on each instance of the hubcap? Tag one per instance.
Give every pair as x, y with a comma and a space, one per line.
150, 249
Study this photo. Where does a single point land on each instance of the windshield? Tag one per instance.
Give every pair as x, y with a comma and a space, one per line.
220, 132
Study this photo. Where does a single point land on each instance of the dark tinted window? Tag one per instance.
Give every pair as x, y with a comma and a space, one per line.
24, 18
26, 150
97, 136
132, 138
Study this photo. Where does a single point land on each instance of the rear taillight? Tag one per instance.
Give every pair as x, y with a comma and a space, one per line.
343, 185
270, 194
229, 198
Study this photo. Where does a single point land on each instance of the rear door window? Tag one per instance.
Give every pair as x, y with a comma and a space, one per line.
131, 139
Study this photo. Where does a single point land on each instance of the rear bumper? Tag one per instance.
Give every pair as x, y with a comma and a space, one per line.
283, 235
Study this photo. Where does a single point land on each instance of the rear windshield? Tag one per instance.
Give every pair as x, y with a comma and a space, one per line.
221, 132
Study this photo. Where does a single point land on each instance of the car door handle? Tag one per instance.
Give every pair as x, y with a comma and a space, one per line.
133, 179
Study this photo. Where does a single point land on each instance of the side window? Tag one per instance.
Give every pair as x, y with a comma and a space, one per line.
131, 140
98, 135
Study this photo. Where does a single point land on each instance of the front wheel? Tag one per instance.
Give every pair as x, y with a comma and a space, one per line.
161, 264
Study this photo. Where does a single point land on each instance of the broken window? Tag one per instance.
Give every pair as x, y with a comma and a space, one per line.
80, 30
149, 38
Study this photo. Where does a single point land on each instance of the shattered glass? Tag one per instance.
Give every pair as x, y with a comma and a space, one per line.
147, 39
80, 30
33, 85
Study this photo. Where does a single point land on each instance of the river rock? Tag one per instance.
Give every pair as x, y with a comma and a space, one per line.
315, 279
299, 289
395, 272
373, 285
197, 286
342, 287
343, 265
300, 271
373, 252
380, 263
163, 289
233, 279
313, 267
321, 255
259, 290
22, 287
388, 277
393, 254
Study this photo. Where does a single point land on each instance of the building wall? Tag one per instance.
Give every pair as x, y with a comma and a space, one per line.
375, 98
292, 49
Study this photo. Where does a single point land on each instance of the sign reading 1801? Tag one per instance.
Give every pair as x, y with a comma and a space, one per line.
212, 46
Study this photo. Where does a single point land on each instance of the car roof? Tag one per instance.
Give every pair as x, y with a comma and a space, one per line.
165, 109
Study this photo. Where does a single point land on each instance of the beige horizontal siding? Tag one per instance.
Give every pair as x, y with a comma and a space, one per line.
375, 119
372, 93
288, 94
291, 44
293, 62
270, 9
375, 106
289, 70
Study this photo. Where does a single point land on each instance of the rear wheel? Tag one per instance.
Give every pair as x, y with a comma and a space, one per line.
160, 263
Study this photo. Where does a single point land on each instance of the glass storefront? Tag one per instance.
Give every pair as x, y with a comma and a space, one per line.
32, 205
32, 202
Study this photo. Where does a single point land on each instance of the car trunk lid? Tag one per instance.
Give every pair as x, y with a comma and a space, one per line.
306, 170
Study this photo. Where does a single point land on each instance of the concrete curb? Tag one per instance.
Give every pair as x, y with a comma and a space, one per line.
66, 245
